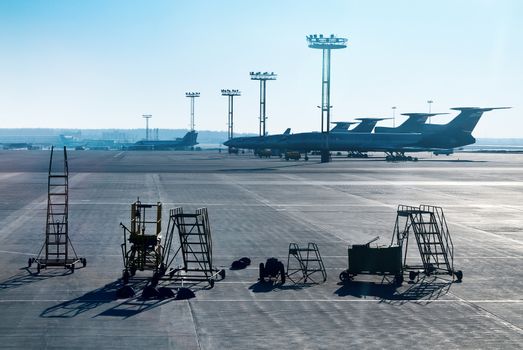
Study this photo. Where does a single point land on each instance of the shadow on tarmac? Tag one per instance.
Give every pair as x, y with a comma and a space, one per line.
26, 276
265, 287
107, 294
424, 290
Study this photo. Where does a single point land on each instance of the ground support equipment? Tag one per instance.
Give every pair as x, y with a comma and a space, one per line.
195, 248
143, 245
383, 261
429, 227
305, 264
272, 271
57, 250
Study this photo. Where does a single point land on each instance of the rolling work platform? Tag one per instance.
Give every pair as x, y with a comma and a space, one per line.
57, 250
195, 248
143, 245
429, 227
305, 264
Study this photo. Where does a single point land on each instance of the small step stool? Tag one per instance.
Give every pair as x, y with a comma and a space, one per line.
305, 264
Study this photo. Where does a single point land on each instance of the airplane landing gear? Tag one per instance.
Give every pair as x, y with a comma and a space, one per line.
357, 154
399, 157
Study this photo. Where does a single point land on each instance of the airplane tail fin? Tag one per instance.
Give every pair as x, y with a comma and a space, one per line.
415, 121
468, 118
190, 138
341, 126
367, 124
287, 131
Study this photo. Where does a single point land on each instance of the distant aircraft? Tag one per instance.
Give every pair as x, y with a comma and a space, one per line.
414, 123
456, 133
16, 145
364, 125
186, 142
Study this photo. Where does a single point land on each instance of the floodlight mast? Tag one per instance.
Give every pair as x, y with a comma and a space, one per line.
262, 77
394, 116
430, 102
326, 44
230, 121
192, 95
147, 117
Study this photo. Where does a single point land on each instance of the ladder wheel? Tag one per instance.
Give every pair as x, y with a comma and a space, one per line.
222, 273
262, 272
38, 267
133, 270
282, 273
398, 280
413, 275
459, 275
125, 277
29, 262
84, 262
211, 283
71, 268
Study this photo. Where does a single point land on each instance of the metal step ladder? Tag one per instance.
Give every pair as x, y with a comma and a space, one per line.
195, 248
432, 236
304, 264
55, 250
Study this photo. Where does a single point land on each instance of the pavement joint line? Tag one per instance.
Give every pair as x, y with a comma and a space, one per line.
321, 230
489, 314
193, 322
486, 301
501, 238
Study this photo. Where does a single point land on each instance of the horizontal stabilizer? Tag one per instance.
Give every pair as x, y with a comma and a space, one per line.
372, 119
422, 114
478, 109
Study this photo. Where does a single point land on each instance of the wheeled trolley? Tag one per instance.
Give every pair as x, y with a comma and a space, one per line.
383, 261
272, 271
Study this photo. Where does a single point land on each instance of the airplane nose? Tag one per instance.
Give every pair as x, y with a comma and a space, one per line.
227, 143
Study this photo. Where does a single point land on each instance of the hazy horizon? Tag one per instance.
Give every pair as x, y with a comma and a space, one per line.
101, 64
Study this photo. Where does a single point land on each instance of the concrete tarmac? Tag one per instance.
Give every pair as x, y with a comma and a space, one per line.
256, 208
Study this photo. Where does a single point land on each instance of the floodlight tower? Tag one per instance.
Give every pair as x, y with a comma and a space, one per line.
262, 77
147, 117
430, 102
326, 44
192, 95
394, 116
230, 94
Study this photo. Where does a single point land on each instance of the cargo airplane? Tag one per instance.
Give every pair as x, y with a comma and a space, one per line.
432, 138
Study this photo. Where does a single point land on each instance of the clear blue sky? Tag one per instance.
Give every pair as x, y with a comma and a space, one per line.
104, 63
